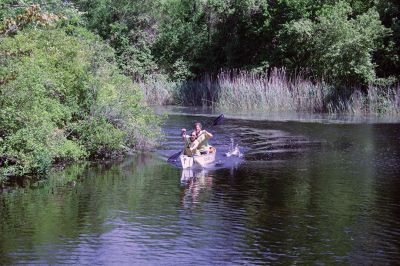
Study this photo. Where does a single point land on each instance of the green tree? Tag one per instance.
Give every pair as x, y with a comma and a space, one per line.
130, 28
388, 56
335, 46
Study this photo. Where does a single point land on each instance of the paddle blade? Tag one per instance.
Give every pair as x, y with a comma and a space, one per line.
219, 120
174, 157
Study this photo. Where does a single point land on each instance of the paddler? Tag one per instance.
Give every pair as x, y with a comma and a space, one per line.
188, 142
202, 136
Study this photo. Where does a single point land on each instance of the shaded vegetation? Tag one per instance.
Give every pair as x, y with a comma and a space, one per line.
338, 41
347, 45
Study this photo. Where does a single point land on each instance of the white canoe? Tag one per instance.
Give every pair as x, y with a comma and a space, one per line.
197, 161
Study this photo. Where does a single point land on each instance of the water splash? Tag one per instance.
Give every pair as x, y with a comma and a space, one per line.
234, 150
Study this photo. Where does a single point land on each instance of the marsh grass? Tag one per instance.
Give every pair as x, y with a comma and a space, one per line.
158, 90
273, 92
203, 92
376, 100
385, 100
241, 91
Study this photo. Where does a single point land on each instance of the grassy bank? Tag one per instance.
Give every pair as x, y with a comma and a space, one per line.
63, 97
276, 91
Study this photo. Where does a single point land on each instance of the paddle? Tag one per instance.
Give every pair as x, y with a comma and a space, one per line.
218, 121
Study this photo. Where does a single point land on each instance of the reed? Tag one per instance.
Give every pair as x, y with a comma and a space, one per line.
273, 92
157, 90
241, 91
202, 92
376, 100
383, 100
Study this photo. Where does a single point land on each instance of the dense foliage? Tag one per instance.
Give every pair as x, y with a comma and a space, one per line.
352, 42
62, 96
65, 94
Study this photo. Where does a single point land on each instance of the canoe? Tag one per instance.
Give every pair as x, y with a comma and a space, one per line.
198, 161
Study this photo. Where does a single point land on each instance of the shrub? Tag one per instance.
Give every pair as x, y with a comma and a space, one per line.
337, 46
62, 98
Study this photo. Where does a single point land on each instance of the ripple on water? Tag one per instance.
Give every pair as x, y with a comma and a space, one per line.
305, 194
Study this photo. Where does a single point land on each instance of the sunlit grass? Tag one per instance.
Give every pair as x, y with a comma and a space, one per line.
273, 92
158, 91
243, 91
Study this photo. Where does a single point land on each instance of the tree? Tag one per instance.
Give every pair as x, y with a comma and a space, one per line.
130, 28
335, 46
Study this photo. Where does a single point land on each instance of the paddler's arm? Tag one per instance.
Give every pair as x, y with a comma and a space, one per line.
208, 134
183, 134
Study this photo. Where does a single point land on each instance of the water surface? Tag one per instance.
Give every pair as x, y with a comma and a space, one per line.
308, 191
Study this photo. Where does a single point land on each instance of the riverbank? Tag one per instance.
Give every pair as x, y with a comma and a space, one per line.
337, 57
77, 78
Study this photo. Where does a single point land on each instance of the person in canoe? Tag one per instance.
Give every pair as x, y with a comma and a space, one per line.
202, 138
197, 142
189, 140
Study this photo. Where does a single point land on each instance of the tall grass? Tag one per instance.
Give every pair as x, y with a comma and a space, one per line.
158, 90
202, 92
273, 92
276, 91
375, 100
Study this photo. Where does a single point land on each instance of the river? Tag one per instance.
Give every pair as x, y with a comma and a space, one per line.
308, 189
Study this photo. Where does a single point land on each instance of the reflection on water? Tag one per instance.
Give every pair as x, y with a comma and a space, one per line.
304, 193
194, 181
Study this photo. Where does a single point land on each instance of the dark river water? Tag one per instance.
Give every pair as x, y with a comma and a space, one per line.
306, 191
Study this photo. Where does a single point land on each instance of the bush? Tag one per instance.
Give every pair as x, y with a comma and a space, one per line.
336, 46
62, 98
